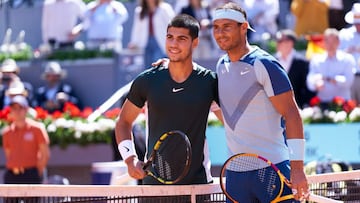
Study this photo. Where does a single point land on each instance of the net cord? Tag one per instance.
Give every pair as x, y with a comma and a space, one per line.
43, 190
335, 176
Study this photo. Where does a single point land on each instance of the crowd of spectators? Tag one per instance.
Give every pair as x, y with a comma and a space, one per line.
51, 95
285, 21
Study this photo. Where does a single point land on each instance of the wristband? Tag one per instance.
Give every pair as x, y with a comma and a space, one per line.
296, 149
126, 149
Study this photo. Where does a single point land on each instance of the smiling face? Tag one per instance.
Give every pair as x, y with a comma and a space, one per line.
229, 34
179, 44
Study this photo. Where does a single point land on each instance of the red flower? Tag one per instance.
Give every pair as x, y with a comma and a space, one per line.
57, 114
112, 113
72, 109
315, 101
41, 113
4, 113
349, 105
86, 112
338, 101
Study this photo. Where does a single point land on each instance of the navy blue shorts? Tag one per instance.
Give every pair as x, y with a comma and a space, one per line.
30, 176
249, 186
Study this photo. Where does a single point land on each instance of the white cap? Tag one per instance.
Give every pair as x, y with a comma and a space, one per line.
353, 16
231, 14
21, 100
53, 68
9, 65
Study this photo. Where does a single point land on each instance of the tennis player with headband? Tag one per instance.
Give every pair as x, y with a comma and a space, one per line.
258, 105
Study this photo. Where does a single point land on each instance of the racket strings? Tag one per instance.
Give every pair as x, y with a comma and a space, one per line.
245, 163
172, 157
164, 168
270, 181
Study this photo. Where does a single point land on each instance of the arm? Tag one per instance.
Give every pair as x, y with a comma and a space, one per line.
45, 24
285, 104
123, 132
135, 30
85, 23
120, 9
76, 31
7, 153
43, 153
217, 111
347, 78
218, 114
43, 157
314, 79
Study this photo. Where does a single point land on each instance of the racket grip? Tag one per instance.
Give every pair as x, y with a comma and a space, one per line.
146, 165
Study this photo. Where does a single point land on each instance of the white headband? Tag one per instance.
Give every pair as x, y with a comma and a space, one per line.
231, 15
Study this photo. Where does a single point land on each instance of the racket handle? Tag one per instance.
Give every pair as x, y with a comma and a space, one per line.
320, 199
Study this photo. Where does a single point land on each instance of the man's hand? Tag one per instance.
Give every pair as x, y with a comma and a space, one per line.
299, 182
162, 61
135, 167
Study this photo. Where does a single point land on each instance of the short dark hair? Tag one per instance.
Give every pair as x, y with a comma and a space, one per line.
286, 34
188, 22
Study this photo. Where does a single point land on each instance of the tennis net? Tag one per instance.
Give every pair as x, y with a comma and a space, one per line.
341, 186
331, 187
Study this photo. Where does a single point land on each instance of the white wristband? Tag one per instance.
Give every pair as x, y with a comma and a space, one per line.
126, 149
296, 149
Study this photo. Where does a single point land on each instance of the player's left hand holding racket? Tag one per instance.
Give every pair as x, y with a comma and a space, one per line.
261, 172
168, 163
170, 159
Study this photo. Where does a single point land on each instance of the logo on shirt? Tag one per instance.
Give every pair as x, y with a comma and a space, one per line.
28, 136
244, 72
177, 89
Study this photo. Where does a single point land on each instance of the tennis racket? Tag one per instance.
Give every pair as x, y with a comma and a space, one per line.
272, 180
170, 159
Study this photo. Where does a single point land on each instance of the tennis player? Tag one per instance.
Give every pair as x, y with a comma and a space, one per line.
178, 96
258, 105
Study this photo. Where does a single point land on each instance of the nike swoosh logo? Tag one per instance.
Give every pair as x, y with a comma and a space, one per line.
177, 90
127, 149
244, 72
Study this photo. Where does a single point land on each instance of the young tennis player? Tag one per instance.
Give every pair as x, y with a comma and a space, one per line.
259, 109
178, 96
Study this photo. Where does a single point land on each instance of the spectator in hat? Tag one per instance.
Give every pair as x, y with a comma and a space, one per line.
295, 64
9, 73
55, 93
27, 153
350, 42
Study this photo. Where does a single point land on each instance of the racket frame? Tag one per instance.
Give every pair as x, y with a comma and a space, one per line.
157, 145
282, 178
